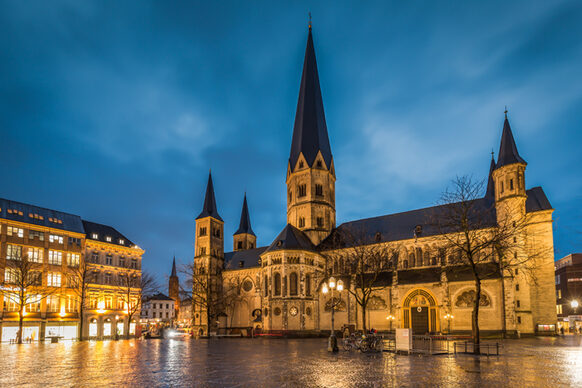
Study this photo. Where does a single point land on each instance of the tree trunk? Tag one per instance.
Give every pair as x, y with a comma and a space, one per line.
476, 334
20, 324
81, 312
126, 325
364, 327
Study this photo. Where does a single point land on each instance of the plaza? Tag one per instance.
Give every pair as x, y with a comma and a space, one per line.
531, 362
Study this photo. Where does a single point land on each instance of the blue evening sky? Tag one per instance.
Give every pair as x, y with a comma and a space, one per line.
115, 110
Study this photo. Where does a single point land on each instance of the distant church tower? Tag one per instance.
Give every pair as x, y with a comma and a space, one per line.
311, 172
174, 287
208, 261
244, 237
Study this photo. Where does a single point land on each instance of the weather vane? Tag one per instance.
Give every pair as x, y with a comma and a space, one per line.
309, 13
505, 111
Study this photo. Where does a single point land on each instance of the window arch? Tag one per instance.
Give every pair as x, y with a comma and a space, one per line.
308, 285
277, 281
293, 284
411, 260
266, 285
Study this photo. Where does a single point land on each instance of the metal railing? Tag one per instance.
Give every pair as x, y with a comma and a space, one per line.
488, 349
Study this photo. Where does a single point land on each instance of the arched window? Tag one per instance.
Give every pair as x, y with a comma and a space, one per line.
419, 257
293, 284
308, 285
405, 264
277, 284
266, 285
426, 258
335, 266
411, 260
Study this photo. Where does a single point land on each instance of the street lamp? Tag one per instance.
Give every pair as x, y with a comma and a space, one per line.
332, 342
391, 318
449, 317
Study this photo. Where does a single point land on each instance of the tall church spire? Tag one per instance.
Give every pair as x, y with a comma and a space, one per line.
310, 130
245, 220
508, 150
209, 209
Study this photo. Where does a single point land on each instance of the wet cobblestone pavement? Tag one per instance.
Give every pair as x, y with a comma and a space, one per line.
536, 362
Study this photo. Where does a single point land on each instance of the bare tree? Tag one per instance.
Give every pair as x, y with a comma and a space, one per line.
132, 289
79, 277
480, 236
364, 259
208, 293
23, 286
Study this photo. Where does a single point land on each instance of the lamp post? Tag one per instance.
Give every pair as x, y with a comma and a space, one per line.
391, 318
449, 317
332, 342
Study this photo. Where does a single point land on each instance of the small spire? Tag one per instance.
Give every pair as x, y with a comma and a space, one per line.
174, 267
508, 150
309, 20
490, 192
505, 111
245, 220
209, 209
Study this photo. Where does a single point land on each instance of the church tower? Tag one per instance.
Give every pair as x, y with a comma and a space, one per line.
208, 263
244, 237
311, 172
174, 288
509, 178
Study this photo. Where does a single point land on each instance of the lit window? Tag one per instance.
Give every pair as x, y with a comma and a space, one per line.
10, 275
55, 238
108, 239
35, 255
121, 241
13, 252
55, 257
95, 236
108, 260
53, 279
13, 231
73, 259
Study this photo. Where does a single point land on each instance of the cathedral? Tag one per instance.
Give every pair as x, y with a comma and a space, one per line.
278, 288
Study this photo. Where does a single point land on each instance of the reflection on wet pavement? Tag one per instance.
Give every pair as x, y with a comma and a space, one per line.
282, 363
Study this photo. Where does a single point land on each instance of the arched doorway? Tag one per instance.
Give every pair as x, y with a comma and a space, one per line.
419, 312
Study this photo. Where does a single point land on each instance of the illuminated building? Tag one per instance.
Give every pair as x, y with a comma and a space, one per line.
57, 244
277, 287
569, 292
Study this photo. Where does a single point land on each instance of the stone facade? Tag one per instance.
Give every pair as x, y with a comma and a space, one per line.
278, 288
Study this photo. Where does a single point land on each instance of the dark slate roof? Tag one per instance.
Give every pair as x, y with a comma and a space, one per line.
209, 209
536, 200
104, 231
291, 238
310, 129
65, 221
402, 226
245, 220
508, 150
399, 226
174, 268
490, 192
249, 258
160, 296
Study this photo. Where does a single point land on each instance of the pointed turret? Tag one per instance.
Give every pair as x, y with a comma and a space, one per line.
490, 193
508, 150
310, 130
244, 237
209, 209
245, 220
